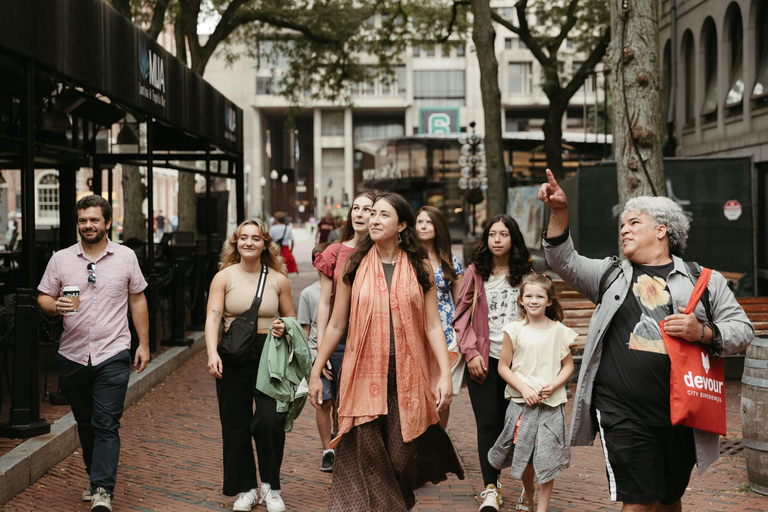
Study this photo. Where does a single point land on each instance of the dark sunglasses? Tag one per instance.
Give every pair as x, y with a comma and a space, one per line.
92, 273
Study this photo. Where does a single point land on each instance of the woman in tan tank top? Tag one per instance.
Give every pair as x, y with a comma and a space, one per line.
232, 291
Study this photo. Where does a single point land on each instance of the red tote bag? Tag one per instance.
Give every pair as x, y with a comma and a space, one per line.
697, 378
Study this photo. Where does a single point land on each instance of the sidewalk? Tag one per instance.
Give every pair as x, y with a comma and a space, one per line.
171, 458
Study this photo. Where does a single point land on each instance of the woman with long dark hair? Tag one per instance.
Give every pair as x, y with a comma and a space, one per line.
330, 263
396, 373
487, 302
232, 291
432, 230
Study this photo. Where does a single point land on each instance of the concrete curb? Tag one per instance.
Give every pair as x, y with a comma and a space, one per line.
23, 465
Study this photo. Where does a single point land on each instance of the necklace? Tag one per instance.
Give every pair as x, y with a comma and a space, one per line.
500, 270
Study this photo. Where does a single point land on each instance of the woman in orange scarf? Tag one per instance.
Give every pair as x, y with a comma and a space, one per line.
395, 377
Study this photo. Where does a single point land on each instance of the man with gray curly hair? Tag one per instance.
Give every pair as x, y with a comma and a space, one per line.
623, 389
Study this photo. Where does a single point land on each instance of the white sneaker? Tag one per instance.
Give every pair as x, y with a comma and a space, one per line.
272, 497
87, 494
245, 501
490, 497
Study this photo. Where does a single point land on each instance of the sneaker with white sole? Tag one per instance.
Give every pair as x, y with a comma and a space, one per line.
272, 498
101, 501
245, 501
498, 489
327, 462
490, 497
87, 494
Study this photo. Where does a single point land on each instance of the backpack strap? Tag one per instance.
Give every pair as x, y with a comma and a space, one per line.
694, 269
610, 275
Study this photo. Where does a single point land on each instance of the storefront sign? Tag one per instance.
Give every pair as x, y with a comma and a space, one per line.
384, 173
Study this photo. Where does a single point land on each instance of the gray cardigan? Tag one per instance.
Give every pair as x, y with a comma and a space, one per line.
732, 330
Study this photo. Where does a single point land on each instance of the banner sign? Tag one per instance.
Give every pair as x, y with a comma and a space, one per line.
439, 121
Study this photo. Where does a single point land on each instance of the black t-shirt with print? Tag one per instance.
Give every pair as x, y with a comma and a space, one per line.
633, 376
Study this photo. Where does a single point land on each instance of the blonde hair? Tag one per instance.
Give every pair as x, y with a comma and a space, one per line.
554, 311
270, 256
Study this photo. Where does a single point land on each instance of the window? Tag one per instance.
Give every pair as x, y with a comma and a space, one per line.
508, 43
520, 77
48, 196
736, 76
273, 55
588, 81
267, 85
521, 45
460, 50
400, 80
515, 125
443, 88
709, 40
417, 51
760, 90
568, 43
332, 123
690, 78
445, 49
430, 50
508, 13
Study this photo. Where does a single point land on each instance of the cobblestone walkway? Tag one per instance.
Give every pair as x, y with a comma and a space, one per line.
171, 461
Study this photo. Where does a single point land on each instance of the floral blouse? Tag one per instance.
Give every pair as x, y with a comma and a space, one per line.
445, 300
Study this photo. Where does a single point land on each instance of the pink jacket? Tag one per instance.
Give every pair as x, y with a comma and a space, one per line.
472, 333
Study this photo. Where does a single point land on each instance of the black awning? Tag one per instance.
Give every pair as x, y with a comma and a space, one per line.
94, 47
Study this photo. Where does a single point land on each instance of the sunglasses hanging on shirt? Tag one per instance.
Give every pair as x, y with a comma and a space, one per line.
91, 273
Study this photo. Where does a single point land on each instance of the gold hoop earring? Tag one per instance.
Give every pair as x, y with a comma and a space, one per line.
398, 240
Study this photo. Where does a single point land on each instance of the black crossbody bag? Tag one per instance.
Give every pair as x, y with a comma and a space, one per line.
237, 341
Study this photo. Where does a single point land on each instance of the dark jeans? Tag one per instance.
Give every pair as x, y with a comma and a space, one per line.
237, 394
96, 394
490, 407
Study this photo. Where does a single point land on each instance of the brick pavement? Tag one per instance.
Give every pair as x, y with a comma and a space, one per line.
171, 460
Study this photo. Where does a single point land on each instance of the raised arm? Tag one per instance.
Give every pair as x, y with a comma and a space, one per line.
553, 196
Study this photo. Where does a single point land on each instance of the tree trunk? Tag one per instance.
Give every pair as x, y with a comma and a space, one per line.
133, 198
553, 135
187, 202
483, 36
636, 94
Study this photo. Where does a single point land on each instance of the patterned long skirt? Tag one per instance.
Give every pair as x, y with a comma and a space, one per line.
376, 471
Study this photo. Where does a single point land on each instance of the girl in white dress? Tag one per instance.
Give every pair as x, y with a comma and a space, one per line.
535, 363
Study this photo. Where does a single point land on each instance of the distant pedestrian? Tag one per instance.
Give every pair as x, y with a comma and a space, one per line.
535, 363
94, 351
231, 294
308, 301
432, 230
282, 233
312, 224
396, 378
325, 227
329, 263
334, 235
487, 302
161, 223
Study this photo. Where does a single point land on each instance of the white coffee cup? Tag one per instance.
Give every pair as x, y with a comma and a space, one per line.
73, 294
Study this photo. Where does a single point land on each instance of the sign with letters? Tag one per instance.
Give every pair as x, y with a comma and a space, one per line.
439, 121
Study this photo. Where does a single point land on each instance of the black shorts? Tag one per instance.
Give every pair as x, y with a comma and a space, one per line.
645, 463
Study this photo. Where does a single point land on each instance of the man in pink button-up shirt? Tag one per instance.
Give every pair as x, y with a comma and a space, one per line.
94, 352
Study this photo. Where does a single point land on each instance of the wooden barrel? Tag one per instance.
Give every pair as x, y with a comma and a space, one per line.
754, 414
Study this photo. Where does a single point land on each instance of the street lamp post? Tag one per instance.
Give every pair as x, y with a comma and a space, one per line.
474, 180
263, 184
273, 176
284, 180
